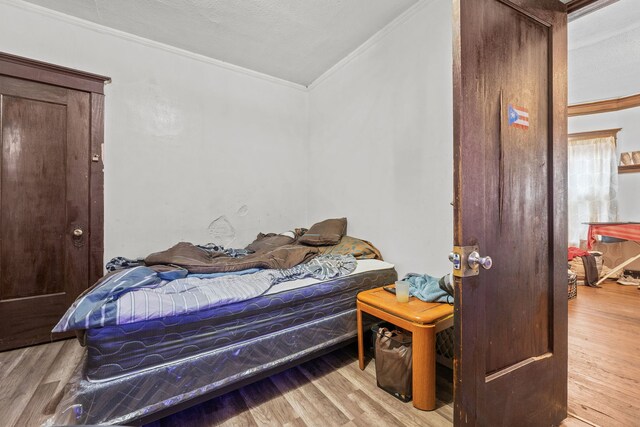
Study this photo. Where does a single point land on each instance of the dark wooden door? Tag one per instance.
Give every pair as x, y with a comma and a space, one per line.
44, 202
510, 200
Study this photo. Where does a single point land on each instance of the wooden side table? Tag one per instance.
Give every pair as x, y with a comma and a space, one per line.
423, 320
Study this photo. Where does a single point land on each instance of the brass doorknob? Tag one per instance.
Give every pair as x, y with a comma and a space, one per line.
77, 232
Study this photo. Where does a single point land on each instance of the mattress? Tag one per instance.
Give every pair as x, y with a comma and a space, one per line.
138, 370
114, 351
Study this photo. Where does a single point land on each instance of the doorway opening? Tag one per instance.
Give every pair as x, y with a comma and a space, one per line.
604, 213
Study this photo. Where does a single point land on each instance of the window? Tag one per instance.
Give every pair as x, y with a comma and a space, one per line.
593, 181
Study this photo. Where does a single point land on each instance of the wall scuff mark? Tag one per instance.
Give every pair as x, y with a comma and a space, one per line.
243, 210
221, 231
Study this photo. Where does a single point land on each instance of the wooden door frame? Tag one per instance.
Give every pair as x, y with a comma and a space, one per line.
466, 406
43, 72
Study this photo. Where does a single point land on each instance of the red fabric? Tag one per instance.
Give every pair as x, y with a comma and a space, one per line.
621, 231
574, 252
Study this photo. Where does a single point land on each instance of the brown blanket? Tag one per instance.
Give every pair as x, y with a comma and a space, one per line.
278, 255
591, 275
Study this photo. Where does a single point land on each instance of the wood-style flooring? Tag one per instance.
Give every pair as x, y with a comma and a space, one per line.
604, 379
604, 355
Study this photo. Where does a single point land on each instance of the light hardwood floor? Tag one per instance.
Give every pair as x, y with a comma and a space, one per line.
604, 355
604, 379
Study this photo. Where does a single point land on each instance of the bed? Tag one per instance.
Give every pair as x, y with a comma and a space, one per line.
139, 372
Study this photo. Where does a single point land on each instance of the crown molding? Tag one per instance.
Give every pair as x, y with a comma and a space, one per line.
604, 106
578, 8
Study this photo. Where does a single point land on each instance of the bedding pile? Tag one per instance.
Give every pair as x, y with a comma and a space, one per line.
187, 278
140, 294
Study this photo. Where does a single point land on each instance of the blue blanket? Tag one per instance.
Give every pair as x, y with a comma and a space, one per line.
426, 288
138, 294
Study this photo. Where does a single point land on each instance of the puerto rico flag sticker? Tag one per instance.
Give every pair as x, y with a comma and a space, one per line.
518, 117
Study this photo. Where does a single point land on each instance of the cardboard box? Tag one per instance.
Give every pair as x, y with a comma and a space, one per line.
617, 253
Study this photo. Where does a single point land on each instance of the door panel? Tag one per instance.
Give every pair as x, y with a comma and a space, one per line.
33, 189
517, 210
510, 200
44, 196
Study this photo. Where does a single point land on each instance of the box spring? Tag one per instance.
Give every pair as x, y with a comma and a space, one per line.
137, 370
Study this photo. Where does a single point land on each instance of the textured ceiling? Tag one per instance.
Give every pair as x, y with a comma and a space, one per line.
615, 19
295, 40
604, 53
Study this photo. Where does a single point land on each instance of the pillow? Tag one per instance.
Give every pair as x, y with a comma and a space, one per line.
327, 232
360, 249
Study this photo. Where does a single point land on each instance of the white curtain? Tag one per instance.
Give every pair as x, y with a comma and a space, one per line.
593, 184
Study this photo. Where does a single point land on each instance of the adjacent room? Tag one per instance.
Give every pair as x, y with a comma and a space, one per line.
319, 213
604, 213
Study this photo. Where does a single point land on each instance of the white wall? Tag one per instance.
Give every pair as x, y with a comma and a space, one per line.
186, 140
381, 142
628, 140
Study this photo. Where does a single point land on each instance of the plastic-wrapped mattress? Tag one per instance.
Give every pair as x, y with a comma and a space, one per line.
132, 371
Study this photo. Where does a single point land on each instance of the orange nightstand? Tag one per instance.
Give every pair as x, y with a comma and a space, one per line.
423, 320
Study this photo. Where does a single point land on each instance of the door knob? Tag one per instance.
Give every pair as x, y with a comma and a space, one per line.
78, 232
475, 259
